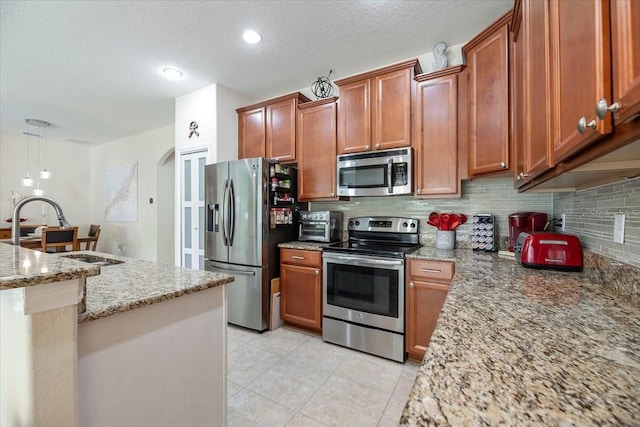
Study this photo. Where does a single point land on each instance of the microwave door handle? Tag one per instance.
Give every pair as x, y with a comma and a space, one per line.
389, 175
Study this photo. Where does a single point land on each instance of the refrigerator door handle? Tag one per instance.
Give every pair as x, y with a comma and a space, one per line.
225, 213
232, 220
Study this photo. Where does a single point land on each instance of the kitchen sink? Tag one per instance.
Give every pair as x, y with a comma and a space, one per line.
93, 259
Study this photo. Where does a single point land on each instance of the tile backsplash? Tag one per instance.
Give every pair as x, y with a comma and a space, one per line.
590, 215
495, 196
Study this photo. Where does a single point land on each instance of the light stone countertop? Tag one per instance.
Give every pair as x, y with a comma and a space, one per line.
136, 283
21, 267
516, 346
306, 246
110, 289
525, 347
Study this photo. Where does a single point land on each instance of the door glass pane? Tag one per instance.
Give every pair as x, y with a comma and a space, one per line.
201, 161
201, 227
187, 260
187, 227
187, 180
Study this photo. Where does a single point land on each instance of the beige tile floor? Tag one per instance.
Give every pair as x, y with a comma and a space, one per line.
288, 377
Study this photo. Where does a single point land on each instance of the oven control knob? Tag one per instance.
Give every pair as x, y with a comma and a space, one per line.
405, 225
413, 225
357, 223
351, 223
360, 315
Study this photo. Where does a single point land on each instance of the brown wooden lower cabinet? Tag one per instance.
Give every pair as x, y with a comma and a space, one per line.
426, 290
301, 288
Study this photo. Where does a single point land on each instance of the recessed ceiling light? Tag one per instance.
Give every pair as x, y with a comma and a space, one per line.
172, 73
251, 36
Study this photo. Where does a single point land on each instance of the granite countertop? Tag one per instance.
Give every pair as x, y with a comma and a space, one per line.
21, 267
307, 246
517, 346
110, 289
136, 283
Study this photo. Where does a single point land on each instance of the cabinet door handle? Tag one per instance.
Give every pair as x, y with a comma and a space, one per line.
297, 257
333, 194
522, 176
412, 285
419, 191
603, 108
431, 270
317, 272
377, 146
502, 165
367, 147
583, 125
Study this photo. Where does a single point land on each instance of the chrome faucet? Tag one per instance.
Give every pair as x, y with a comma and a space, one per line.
15, 225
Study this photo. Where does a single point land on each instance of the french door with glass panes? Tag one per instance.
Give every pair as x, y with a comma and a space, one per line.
192, 209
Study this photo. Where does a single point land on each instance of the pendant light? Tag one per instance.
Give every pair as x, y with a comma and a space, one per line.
27, 181
44, 173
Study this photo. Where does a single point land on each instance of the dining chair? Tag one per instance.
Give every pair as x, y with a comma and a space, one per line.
94, 233
56, 239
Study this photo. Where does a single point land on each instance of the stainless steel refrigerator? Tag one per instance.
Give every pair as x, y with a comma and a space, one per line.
251, 205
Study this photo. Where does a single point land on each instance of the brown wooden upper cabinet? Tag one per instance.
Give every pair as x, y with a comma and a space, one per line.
531, 91
374, 109
625, 43
487, 59
580, 73
435, 140
576, 79
268, 129
317, 132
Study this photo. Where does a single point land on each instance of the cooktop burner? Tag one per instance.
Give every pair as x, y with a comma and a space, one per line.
382, 236
372, 248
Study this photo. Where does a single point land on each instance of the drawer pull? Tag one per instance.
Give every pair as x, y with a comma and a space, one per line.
412, 285
297, 257
430, 270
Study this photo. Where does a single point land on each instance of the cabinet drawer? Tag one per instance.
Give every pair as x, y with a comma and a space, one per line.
441, 271
301, 257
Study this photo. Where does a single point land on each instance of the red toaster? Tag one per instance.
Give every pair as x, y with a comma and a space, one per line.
555, 251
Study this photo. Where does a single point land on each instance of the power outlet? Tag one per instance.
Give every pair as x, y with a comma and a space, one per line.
618, 228
564, 222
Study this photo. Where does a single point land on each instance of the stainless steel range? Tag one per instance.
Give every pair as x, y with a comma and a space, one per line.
363, 285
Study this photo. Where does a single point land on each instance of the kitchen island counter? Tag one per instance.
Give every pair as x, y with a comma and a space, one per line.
21, 268
135, 283
304, 246
517, 346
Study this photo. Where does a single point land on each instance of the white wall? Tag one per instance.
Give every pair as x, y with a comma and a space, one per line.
166, 213
68, 185
198, 106
133, 239
227, 118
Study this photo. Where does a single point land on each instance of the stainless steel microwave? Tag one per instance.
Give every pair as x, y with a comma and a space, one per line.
378, 173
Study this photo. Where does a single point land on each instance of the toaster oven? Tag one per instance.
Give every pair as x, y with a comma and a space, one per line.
320, 226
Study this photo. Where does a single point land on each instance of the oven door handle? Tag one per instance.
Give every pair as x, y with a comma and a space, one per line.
363, 262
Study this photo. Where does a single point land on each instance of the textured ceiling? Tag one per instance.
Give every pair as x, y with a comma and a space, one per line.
90, 67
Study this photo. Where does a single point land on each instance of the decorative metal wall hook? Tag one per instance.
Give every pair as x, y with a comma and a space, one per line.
322, 87
193, 129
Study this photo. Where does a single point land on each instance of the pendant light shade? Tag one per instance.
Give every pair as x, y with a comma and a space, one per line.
27, 181
45, 174
38, 191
